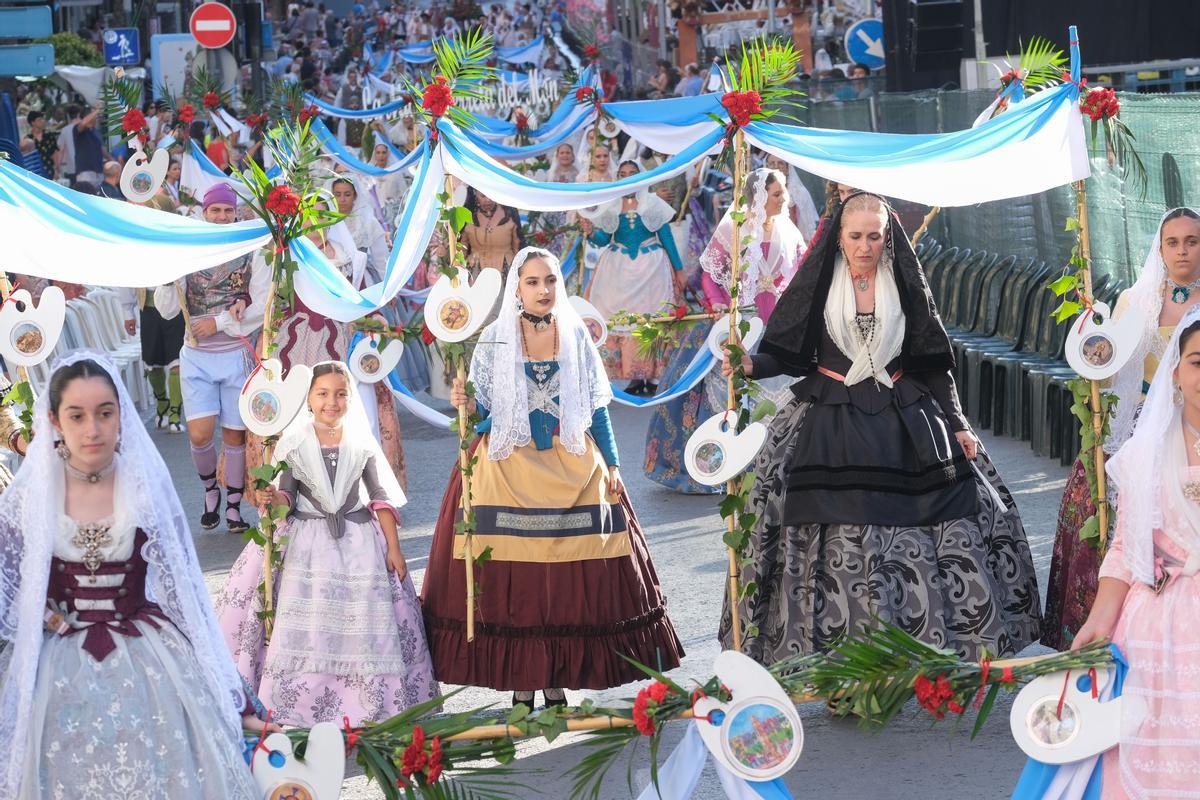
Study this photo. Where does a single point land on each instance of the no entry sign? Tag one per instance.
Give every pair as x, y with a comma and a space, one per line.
213, 25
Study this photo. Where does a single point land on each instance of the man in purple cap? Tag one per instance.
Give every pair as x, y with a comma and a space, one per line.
225, 307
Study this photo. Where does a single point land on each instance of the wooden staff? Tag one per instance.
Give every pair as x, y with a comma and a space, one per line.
1085, 252
463, 457
5, 292
266, 523
916, 237
731, 406
687, 197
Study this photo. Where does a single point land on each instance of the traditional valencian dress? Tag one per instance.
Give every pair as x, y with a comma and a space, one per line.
569, 588
1074, 568
771, 260
347, 639
866, 505
1156, 551
114, 679
633, 274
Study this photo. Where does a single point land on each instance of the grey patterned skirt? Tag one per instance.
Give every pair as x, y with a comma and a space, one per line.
962, 584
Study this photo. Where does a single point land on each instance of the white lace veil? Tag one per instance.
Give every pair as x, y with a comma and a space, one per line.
785, 244
1146, 295
29, 519
1158, 440
299, 447
654, 211
498, 369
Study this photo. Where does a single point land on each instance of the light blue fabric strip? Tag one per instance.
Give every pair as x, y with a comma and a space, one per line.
898, 149
522, 54
343, 154
357, 113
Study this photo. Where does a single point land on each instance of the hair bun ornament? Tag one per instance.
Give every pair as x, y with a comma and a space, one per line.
142, 175
281, 775
29, 333
1098, 349
758, 734
454, 313
269, 401
593, 320
371, 363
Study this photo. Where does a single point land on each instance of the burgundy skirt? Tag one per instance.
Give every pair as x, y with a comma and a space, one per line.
539, 625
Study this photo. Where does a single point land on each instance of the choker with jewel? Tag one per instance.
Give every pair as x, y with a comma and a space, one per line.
90, 477
539, 323
1180, 292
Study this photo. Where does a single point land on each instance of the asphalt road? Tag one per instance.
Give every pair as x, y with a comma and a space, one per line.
910, 759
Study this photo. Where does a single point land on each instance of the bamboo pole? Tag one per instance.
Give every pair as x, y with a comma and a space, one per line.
463, 457
1085, 252
607, 721
916, 237
266, 523
5, 292
731, 406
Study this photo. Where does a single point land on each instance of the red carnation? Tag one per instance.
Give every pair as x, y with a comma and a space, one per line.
592, 52
133, 121
583, 93
742, 106
308, 113
283, 202
427, 335
435, 761
437, 97
658, 691
522, 122
211, 100
1100, 103
641, 719
187, 113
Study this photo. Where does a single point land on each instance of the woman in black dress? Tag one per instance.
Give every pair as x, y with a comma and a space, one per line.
874, 500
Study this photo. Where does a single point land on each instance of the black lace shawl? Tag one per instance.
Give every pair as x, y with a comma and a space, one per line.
794, 331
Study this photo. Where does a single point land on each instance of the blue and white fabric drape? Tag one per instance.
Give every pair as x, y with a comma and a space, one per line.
393, 107
343, 154
523, 54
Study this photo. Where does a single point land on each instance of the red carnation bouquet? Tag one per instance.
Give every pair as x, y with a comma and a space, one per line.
308, 113
186, 114
437, 97
134, 123
283, 202
421, 764
742, 106
1100, 103
211, 100
592, 52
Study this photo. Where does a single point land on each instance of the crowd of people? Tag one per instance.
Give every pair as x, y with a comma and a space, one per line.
873, 500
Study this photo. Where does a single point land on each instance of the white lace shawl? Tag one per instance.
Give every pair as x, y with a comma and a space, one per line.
29, 517
785, 246
1146, 295
888, 339
498, 370
299, 447
1157, 440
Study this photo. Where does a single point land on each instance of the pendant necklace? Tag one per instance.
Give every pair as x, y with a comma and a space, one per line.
862, 281
90, 477
1191, 489
539, 323
1180, 292
525, 342
489, 218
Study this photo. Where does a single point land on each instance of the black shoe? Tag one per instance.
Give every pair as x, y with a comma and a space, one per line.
233, 510
636, 388
211, 517
651, 389
527, 703
548, 702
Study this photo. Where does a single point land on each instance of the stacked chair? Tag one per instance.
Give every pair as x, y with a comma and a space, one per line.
1010, 371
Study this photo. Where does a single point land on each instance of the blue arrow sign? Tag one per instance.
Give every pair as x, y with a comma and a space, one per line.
864, 43
122, 47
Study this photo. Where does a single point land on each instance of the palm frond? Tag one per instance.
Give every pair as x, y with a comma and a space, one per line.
1041, 63
118, 96
464, 58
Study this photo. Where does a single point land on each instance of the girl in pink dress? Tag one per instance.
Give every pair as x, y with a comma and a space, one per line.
1148, 601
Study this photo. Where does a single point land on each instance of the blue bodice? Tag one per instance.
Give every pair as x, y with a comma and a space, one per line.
632, 237
543, 419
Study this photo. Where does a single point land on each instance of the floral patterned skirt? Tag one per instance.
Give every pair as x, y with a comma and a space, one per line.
142, 724
1075, 567
348, 638
962, 584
